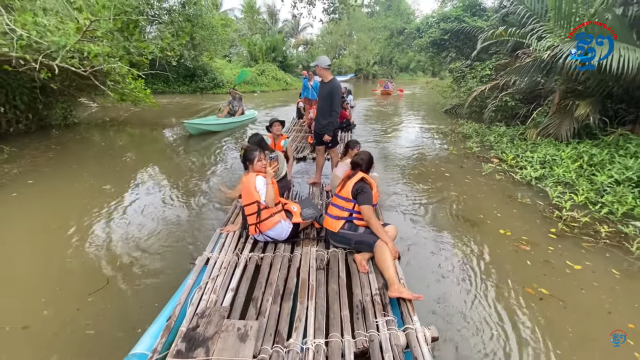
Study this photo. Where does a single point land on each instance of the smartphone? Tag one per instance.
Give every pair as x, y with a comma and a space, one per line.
272, 156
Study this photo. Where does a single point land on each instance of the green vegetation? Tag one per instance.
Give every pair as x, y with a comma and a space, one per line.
53, 53
589, 181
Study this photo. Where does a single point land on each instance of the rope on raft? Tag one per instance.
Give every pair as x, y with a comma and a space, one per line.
310, 344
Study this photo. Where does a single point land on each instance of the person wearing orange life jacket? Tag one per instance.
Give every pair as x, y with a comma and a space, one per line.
268, 217
351, 223
280, 142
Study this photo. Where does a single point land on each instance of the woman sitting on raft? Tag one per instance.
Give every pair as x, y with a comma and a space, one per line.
282, 177
345, 120
351, 223
269, 217
351, 148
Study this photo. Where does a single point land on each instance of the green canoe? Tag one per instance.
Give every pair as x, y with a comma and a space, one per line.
215, 124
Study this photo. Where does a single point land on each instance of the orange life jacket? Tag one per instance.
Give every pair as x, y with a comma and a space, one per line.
279, 146
343, 207
260, 217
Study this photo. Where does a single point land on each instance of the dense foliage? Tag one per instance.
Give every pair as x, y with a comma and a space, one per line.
53, 53
595, 181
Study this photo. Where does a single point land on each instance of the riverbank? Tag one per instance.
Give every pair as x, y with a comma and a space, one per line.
594, 185
218, 76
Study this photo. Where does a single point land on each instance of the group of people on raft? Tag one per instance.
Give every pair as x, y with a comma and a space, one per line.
350, 220
308, 102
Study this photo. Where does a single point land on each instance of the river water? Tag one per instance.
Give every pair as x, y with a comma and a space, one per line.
127, 196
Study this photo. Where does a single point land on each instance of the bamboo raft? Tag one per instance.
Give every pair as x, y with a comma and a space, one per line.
289, 301
298, 135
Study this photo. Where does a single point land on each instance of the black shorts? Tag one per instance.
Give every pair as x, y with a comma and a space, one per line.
351, 236
318, 140
284, 185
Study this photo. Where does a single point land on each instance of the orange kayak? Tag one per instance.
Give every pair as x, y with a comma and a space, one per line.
386, 92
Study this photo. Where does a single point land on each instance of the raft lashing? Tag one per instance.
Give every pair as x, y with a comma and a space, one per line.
298, 138
306, 300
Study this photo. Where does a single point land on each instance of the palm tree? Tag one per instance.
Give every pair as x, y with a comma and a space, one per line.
294, 27
271, 14
541, 65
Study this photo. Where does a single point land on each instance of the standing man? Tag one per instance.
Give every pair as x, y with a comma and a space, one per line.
325, 134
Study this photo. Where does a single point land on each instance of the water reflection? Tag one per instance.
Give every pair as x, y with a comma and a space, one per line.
132, 234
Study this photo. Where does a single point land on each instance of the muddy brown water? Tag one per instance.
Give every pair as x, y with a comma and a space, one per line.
128, 196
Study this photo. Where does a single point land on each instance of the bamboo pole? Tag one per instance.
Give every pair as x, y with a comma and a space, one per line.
369, 317
311, 317
335, 331
268, 295
274, 312
200, 292
233, 287
396, 337
377, 305
238, 304
361, 346
176, 310
301, 308
256, 299
344, 308
426, 351
321, 298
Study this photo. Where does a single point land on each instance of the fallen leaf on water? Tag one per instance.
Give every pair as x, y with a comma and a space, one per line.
524, 237
615, 272
588, 263
630, 342
550, 248
508, 233
523, 247
553, 236
544, 291
528, 262
501, 231
446, 174
577, 267
587, 244
631, 326
637, 355
529, 290
552, 230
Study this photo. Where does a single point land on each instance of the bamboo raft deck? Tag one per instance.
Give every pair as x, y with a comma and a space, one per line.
298, 135
289, 301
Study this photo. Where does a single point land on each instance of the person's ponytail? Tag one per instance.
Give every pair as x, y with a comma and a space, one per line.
363, 161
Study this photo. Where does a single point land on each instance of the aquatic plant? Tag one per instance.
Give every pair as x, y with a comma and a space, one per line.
588, 181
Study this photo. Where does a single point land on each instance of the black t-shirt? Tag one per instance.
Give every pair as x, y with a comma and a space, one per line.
362, 193
329, 98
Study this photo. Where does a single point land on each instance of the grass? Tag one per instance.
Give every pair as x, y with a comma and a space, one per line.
592, 184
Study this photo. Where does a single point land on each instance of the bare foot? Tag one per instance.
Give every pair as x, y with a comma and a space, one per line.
315, 180
361, 262
327, 187
403, 293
